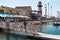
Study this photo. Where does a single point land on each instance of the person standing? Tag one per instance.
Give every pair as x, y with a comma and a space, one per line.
25, 25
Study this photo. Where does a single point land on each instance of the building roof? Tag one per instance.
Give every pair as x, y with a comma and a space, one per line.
20, 10
23, 7
26, 8
4, 9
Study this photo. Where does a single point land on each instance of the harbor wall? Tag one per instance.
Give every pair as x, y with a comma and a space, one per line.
19, 26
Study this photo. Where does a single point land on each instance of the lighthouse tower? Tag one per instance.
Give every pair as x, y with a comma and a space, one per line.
40, 8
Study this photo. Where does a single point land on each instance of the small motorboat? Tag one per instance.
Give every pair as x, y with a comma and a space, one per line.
56, 22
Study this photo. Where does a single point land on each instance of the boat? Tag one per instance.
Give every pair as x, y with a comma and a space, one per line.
56, 21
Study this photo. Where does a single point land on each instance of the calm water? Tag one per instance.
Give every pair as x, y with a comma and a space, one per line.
50, 29
46, 28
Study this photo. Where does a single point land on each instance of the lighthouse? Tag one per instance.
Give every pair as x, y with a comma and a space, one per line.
40, 8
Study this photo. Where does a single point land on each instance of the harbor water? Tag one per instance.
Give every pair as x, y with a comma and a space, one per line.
44, 28
51, 29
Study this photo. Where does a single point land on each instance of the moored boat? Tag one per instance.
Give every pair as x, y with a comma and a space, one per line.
56, 22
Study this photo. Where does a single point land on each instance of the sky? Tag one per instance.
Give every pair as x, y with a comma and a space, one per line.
33, 3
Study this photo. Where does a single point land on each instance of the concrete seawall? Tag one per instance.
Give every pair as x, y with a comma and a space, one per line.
19, 25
